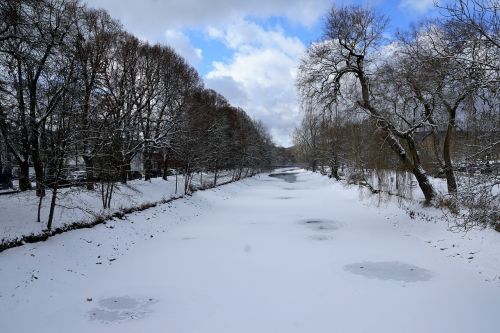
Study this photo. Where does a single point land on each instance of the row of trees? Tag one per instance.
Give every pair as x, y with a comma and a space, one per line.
76, 89
424, 102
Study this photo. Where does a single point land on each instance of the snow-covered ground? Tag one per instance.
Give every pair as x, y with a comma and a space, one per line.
76, 204
295, 253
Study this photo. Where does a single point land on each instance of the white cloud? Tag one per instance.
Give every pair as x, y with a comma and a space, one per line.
260, 76
420, 6
229, 88
181, 43
147, 17
242, 33
259, 72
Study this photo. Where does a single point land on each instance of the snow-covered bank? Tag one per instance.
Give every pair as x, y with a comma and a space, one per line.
474, 206
437, 227
78, 206
269, 254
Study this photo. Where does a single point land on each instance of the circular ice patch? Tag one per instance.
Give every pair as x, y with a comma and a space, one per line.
390, 270
116, 309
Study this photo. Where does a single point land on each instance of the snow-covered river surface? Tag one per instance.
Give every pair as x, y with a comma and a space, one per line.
289, 253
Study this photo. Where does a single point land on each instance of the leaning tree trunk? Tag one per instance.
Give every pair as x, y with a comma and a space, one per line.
424, 183
412, 164
54, 193
52, 205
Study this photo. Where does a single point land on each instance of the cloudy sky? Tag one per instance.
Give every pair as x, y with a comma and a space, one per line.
247, 50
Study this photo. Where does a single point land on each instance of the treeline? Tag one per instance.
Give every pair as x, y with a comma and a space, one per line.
76, 89
424, 102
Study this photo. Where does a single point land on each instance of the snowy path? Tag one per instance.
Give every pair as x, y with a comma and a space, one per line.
261, 255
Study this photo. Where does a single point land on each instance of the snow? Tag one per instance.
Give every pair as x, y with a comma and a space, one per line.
76, 204
265, 254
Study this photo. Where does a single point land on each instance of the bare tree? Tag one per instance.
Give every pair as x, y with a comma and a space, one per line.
348, 57
307, 136
76, 91
43, 29
479, 16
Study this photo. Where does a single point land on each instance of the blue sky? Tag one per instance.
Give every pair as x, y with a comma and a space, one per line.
249, 50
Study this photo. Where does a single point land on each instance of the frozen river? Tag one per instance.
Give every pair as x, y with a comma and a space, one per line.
288, 253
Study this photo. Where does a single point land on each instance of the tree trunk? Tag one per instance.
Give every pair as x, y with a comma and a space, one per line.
411, 163
423, 183
54, 194
148, 163
448, 166
52, 205
34, 140
39, 174
335, 171
123, 174
314, 165
186, 181
124, 171
24, 176
215, 177
89, 170
165, 167
176, 182
239, 173
436, 144
414, 166
39, 210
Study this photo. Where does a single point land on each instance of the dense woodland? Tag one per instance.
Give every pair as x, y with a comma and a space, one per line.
77, 92
422, 104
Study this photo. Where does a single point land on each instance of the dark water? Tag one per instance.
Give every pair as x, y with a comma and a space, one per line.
288, 177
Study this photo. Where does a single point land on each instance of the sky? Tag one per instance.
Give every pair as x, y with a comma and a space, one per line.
248, 50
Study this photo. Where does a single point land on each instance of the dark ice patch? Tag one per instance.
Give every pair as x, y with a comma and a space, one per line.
320, 237
117, 309
321, 225
390, 270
